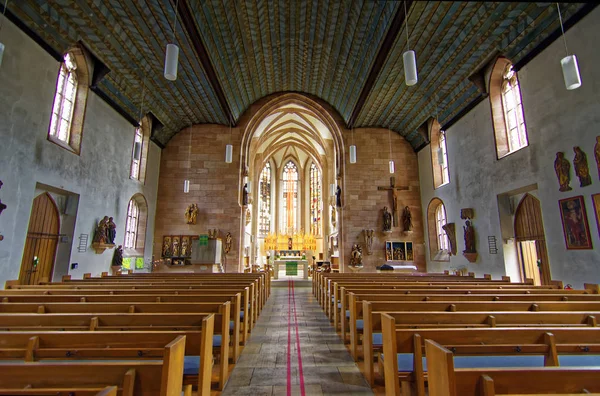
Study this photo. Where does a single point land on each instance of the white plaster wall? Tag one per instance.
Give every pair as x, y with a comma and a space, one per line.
100, 175
556, 120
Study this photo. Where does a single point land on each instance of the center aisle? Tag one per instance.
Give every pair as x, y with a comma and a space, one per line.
293, 350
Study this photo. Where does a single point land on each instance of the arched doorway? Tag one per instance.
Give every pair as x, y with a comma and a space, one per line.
42, 239
531, 241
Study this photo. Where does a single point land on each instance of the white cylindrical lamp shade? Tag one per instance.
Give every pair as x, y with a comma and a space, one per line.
392, 167
1, 52
570, 70
353, 154
186, 186
229, 153
171, 62
410, 68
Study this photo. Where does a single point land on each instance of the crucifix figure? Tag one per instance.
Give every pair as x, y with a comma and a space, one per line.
393, 188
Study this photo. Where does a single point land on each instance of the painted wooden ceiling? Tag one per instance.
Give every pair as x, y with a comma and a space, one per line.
235, 52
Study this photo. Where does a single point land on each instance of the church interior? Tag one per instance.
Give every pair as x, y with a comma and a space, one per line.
268, 151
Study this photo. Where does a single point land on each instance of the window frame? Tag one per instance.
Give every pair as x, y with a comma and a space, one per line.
138, 132
296, 200
269, 202
434, 231
132, 226
316, 229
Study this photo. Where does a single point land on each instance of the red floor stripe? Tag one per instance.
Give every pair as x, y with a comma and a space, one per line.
289, 341
300, 371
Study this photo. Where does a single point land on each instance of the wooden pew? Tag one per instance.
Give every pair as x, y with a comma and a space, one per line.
136, 378
43, 345
551, 345
126, 322
445, 380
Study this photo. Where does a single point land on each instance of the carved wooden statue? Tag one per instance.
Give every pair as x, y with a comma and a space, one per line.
248, 216
562, 167
118, 257
166, 250
228, 241
596, 154
191, 214
581, 167
338, 197
407, 219
469, 238
368, 235
333, 216
111, 231
356, 256
387, 220
245, 195
100, 235
450, 229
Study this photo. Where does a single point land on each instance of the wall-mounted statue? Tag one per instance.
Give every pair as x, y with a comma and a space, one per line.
333, 216
191, 214
245, 195
597, 154
450, 229
118, 257
467, 213
581, 167
338, 197
356, 256
469, 238
248, 216
228, 241
368, 235
562, 167
100, 235
111, 231
387, 220
2, 206
407, 219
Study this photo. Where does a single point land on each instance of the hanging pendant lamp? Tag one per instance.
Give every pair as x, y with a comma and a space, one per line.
409, 58
569, 65
229, 148
391, 164
186, 182
352, 149
1, 22
172, 54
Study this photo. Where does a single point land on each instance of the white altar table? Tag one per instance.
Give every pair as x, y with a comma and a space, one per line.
278, 263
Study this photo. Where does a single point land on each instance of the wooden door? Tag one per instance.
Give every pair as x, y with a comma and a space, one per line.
529, 259
42, 239
529, 226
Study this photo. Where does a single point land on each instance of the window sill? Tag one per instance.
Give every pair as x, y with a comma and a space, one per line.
441, 185
442, 255
133, 253
512, 152
62, 144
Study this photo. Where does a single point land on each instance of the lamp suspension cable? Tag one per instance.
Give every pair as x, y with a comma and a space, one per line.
392, 165
352, 148
229, 147
142, 99
186, 182
409, 57
569, 65
172, 53
1, 23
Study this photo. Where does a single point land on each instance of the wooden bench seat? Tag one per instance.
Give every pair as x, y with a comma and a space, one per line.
446, 380
106, 391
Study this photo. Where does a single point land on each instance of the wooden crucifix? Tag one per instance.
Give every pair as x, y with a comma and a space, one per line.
393, 188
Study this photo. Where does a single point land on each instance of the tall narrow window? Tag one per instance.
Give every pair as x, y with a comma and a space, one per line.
64, 100
131, 225
440, 221
290, 197
443, 158
513, 110
316, 202
136, 155
264, 222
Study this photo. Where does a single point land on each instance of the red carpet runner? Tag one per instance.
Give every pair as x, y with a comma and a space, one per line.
292, 307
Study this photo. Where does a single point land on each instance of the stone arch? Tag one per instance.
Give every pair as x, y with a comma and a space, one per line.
434, 249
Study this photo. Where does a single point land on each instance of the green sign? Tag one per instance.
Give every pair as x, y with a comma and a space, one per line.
203, 239
291, 268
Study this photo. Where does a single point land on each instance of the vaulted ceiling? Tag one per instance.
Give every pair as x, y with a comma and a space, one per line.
347, 53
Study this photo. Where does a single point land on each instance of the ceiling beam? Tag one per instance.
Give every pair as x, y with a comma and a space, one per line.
189, 24
384, 51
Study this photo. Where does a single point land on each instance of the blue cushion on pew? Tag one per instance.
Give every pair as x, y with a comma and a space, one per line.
377, 339
579, 360
191, 365
217, 340
498, 361
231, 324
241, 314
339, 305
360, 324
405, 362
348, 313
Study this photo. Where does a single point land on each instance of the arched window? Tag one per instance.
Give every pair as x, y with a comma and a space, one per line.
290, 197
507, 109
443, 158
136, 155
316, 202
131, 224
264, 216
439, 245
66, 122
439, 154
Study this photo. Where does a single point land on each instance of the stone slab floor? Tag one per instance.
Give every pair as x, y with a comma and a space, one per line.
269, 363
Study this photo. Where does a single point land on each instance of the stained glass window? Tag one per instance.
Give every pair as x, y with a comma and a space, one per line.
513, 110
264, 217
316, 203
64, 100
131, 225
290, 197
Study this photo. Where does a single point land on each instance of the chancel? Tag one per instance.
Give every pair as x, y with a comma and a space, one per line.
309, 197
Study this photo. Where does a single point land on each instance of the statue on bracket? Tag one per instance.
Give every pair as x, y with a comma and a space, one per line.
245, 195
338, 197
100, 236
118, 257
111, 231
228, 241
407, 219
191, 214
387, 220
368, 235
356, 256
450, 229
562, 167
596, 154
333, 216
581, 167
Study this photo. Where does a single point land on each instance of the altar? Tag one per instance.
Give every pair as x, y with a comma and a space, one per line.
278, 263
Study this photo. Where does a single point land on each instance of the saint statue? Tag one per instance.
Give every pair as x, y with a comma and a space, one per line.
469, 238
368, 234
596, 155
191, 214
562, 167
387, 220
101, 231
117, 260
581, 167
175, 246
228, 241
356, 256
111, 231
184, 246
245, 195
338, 197
166, 250
407, 219
333, 216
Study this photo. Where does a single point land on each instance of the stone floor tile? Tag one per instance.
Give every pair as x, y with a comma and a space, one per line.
248, 391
